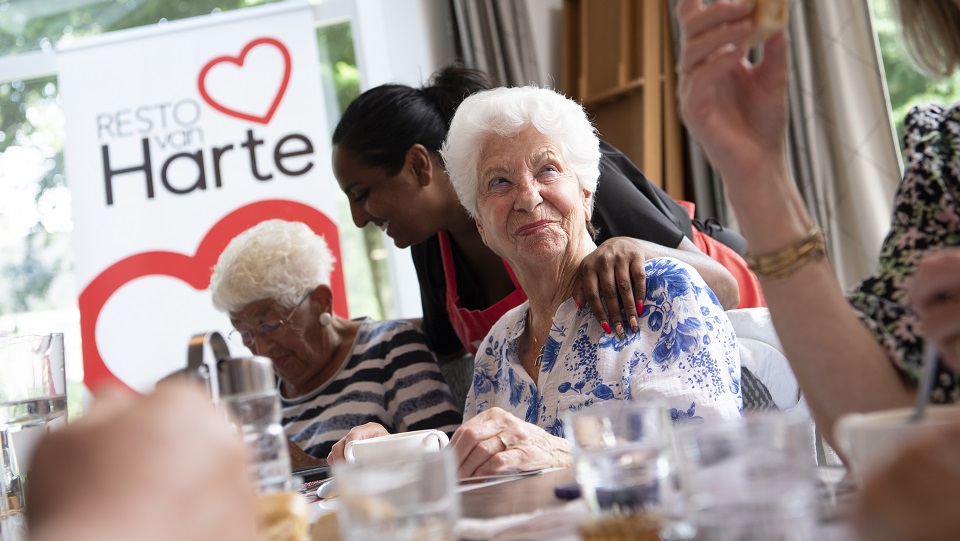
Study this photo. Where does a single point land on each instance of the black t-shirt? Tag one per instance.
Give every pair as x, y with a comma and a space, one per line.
626, 205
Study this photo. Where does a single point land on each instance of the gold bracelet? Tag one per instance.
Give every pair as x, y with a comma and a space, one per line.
785, 262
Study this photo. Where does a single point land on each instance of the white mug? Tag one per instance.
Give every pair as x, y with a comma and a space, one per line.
395, 445
870, 440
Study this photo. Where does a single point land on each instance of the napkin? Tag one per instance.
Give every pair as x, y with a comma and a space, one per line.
561, 523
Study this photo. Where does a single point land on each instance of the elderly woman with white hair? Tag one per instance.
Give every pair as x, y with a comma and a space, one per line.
524, 163
334, 373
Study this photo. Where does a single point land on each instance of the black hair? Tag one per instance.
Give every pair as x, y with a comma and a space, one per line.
383, 123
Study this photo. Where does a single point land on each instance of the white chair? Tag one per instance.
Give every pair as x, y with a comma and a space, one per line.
762, 354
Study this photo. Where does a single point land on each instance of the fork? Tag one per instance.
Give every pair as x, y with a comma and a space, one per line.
928, 372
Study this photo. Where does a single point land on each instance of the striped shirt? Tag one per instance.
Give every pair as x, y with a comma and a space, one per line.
390, 377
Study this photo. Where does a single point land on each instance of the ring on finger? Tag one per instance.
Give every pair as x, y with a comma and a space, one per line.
506, 447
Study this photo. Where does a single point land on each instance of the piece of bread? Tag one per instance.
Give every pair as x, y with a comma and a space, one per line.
325, 528
769, 17
283, 516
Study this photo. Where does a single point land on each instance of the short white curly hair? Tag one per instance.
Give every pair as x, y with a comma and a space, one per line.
274, 259
506, 112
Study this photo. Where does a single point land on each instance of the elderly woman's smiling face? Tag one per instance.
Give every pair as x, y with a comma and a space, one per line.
530, 205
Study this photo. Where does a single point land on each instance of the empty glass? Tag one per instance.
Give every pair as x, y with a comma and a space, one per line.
623, 468
414, 499
750, 479
33, 398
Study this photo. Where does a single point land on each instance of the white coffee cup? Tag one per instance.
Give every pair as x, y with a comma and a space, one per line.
395, 445
870, 440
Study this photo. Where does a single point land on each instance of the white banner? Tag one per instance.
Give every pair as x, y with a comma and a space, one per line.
180, 136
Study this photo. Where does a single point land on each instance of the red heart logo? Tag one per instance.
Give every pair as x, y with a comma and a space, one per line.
195, 271
238, 61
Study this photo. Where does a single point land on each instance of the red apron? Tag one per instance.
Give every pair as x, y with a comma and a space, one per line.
751, 295
472, 326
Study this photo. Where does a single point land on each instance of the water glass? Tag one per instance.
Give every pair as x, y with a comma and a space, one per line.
750, 479
623, 468
256, 415
411, 499
33, 399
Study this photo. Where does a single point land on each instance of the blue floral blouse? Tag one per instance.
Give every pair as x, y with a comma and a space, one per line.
684, 354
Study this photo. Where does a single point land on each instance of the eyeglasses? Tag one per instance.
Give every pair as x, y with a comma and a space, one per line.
248, 336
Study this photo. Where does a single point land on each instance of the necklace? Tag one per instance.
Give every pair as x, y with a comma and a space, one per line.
535, 342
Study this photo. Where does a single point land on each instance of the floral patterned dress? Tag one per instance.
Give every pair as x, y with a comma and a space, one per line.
684, 354
926, 217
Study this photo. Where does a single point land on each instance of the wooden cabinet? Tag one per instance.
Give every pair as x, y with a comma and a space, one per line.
618, 62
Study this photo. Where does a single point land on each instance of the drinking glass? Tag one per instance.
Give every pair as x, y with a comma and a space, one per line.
409, 499
623, 468
32, 400
750, 479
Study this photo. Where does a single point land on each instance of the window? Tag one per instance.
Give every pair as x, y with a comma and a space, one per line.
907, 86
364, 256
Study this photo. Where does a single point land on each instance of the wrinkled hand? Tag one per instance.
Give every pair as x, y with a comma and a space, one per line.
614, 268
362, 432
918, 495
735, 110
495, 441
164, 466
935, 295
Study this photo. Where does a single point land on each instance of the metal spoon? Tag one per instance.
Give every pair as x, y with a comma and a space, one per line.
928, 372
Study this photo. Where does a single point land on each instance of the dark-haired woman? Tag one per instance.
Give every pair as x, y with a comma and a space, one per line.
386, 159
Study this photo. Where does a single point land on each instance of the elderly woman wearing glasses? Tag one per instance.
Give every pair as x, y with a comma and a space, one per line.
524, 163
334, 373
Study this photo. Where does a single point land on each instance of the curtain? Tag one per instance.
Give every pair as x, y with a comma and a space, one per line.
704, 186
841, 143
495, 36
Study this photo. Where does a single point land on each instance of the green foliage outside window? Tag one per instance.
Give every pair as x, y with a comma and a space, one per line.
906, 85
28, 269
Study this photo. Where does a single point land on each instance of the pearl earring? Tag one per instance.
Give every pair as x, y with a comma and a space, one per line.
325, 319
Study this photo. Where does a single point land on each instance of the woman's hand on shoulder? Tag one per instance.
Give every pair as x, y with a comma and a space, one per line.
496, 441
362, 432
610, 275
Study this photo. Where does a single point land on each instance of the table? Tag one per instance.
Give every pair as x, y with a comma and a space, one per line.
532, 496
527, 495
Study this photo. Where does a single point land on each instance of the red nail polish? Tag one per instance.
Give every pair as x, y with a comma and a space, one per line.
577, 304
606, 327
620, 334
639, 307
